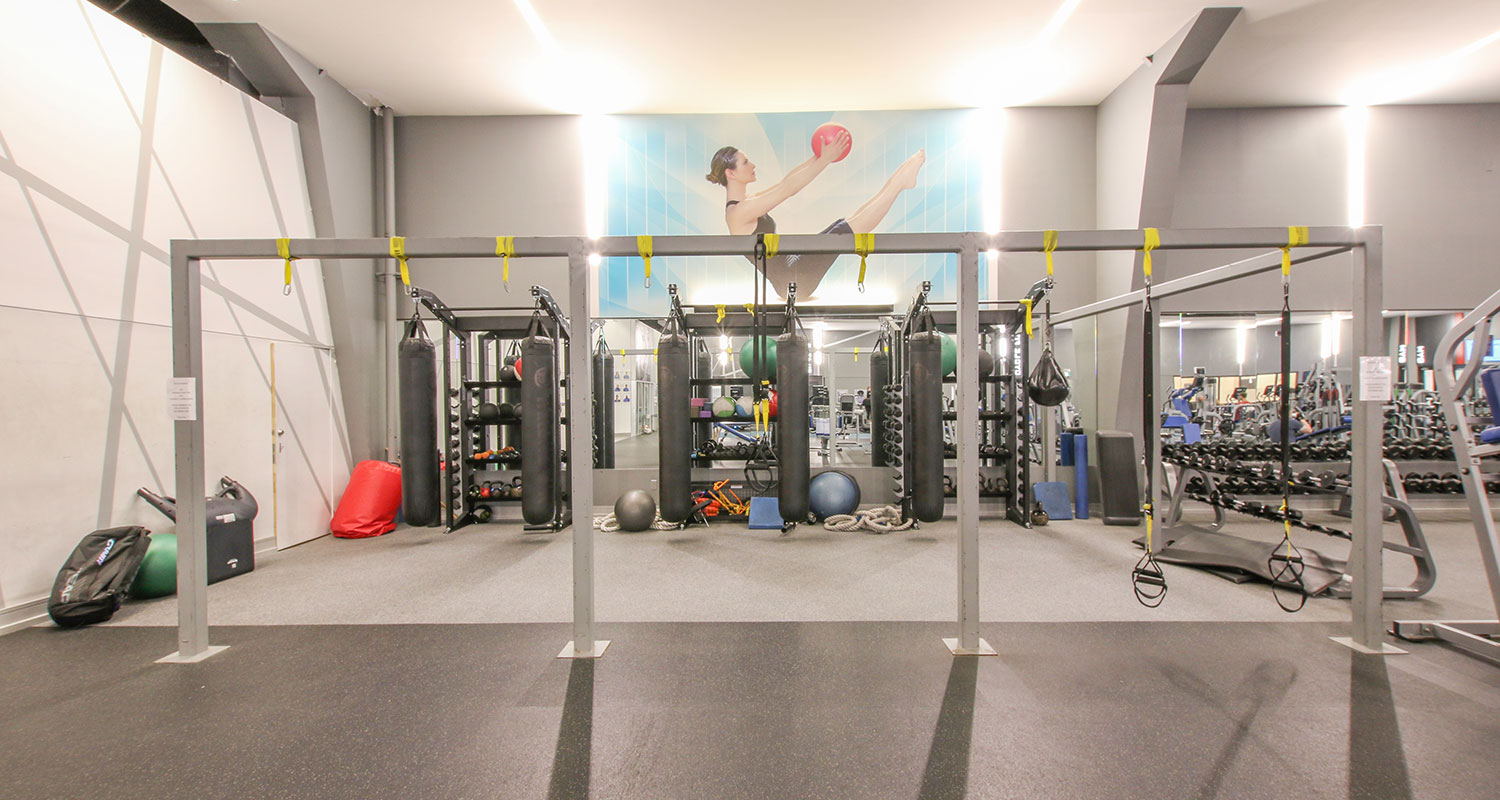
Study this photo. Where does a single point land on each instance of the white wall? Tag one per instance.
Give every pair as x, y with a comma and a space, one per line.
112, 147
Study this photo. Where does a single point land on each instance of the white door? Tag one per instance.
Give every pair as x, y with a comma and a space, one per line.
311, 472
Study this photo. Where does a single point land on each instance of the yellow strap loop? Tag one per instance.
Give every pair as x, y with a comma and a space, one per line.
856, 355
1026, 301
864, 245
505, 247
284, 249
720, 315
1153, 241
654, 351
1296, 236
773, 243
622, 352
750, 307
1049, 243
398, 252
643, 246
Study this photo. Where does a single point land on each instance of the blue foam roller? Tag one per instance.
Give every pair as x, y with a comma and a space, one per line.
1053, 495
1065, 450
1081, 476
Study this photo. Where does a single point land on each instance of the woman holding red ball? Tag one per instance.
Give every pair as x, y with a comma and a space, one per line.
745, 213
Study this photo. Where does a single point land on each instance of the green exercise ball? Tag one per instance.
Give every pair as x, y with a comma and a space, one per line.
157, 576
747, 357
950, 355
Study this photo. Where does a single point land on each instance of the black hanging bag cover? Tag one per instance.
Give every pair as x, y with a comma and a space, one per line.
1047, 385
92, 584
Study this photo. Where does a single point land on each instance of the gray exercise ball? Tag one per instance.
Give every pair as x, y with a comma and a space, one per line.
635, 511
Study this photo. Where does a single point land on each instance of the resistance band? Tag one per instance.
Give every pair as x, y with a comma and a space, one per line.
1287, 567
643, 246
284, 249
398, 252
1026, 301
1147, 578
505, 247
1049, 243
864, 245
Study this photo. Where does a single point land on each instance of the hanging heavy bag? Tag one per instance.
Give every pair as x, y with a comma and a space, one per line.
92, 584
1047, 385
416, 378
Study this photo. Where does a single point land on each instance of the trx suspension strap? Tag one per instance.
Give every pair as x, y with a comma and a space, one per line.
284, 249
864, 245
643, 246
760, 472
1147, 578
1285, 564
398, 252
505, 247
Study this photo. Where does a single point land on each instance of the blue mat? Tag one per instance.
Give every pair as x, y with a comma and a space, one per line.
1054, 499
765, 514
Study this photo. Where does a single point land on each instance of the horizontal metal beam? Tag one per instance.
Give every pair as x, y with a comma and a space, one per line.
625, 246
1244, 268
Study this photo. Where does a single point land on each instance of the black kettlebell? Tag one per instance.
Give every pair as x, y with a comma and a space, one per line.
1038, 516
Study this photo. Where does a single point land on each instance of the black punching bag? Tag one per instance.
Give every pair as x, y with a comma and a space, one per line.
538, 425
880, 375
674, 428
792, 422
926, 348
416, 379
604, 407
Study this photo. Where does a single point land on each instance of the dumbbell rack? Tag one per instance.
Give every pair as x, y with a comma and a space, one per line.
1197, 478
489, 332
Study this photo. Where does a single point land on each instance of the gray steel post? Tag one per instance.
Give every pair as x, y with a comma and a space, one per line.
1365, 553
192, 531
581, 460
967, 483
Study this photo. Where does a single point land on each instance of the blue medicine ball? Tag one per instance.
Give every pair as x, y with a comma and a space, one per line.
831, 493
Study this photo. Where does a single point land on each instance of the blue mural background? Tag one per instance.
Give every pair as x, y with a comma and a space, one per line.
656, 185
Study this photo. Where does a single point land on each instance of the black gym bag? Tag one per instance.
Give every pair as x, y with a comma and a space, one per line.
92, 585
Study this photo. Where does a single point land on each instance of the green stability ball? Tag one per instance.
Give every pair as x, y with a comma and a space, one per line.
950, 355
747, 357
157, 576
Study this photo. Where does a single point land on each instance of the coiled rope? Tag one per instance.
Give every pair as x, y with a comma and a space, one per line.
609, 524
884, 519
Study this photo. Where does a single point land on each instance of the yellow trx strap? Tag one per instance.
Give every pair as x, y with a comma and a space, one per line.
1296, 236
284, 249
856, 355
1026, 301
1049, 243
773, 243
398, 252
505, 247
720, 309
1153, 241
864, 245
643, 246
1148, 526
757, 416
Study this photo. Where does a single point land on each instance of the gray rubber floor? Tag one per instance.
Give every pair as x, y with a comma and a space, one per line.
744, 710
1074, 571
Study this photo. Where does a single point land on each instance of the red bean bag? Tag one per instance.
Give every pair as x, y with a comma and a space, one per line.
370, 503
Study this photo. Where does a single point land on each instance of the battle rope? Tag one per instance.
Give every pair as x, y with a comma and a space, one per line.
885, 519
609, 524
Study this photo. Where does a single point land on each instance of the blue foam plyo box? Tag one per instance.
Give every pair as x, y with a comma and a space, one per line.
1054, 498
765, 514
